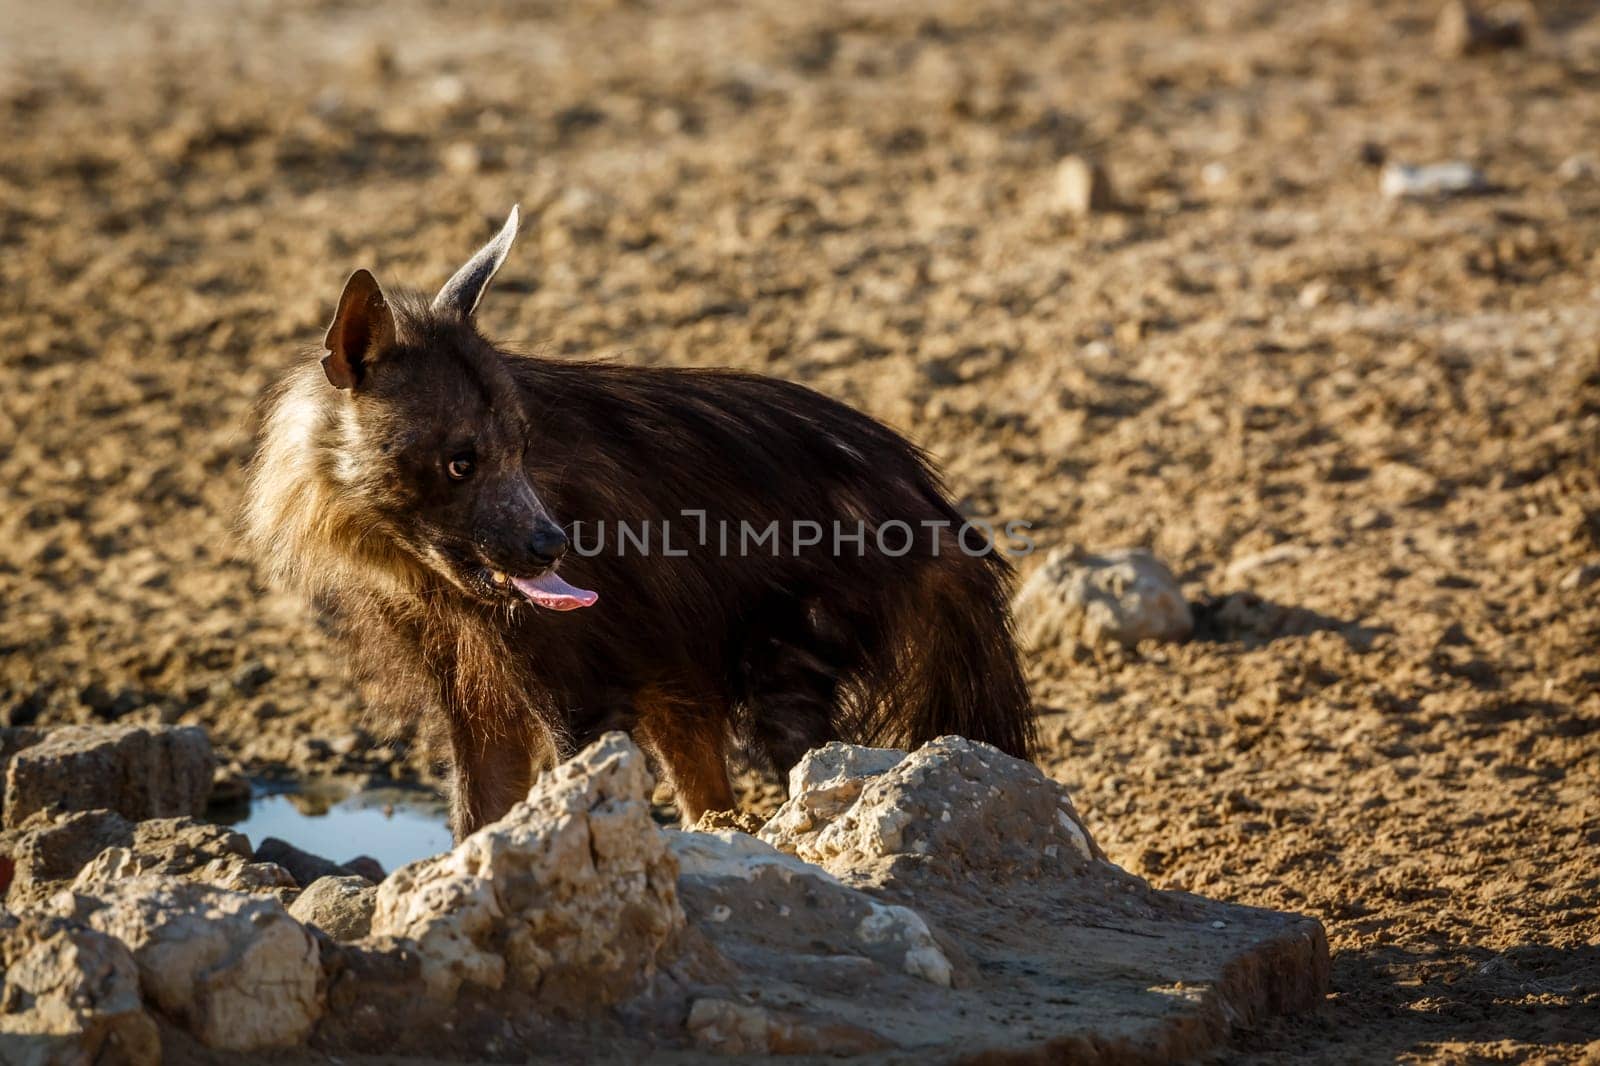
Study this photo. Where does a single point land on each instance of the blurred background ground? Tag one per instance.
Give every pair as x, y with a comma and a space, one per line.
1365, 433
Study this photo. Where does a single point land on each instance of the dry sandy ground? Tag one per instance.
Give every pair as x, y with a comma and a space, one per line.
1366, 436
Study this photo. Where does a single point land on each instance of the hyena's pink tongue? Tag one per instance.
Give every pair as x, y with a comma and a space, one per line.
549, 591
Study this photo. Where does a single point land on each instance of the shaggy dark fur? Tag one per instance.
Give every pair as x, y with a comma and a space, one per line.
353, 497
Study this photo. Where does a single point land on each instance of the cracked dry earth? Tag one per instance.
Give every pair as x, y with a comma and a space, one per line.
1365, 435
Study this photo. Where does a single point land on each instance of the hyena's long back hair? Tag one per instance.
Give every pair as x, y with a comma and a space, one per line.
849, 641
788, 648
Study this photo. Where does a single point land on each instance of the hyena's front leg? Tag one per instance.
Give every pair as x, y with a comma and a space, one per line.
493, 771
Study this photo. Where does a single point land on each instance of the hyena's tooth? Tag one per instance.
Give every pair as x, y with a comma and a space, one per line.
499, 577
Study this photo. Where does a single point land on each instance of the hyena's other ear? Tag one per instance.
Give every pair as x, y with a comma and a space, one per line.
362, 330
462, 292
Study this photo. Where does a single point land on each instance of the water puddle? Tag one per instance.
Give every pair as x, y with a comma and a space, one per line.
393, 825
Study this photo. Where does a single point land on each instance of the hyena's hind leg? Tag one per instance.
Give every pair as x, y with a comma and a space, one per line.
792, 681
689, 740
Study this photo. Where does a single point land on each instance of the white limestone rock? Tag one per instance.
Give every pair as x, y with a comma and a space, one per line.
572, 895
70, 995
956, 806
235, 970
1121, 597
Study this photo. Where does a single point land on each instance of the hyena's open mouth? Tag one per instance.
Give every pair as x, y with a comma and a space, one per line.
548, 590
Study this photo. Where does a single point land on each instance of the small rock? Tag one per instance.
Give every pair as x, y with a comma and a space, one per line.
447, 90
1313, 294
452, 919
743, 821
49, 849
303, 866
87, 849
1580, 578
1461, 31
831, 779
234, 970
339, 906
366, 866
837, 768
179, 846
1370, 518
959, 805
465, 158
1578, 168
728, 1028
1081, 187
137, 771
577, 873
347, 744
1118, 597
69, 994
251, 878
232, 872
1434, 181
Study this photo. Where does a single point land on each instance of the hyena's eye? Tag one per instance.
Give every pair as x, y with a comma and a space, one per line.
461, 467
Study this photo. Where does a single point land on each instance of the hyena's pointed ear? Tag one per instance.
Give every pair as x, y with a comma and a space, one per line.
462, 292
362, 330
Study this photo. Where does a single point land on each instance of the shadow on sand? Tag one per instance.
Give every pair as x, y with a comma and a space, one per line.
1245, 618
1454, 1003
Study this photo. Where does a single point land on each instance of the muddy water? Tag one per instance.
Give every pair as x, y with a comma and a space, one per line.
394, 826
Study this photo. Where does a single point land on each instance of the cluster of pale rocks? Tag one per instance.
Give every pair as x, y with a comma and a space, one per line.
947, 900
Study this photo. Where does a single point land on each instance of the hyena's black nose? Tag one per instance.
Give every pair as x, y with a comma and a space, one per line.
548, 545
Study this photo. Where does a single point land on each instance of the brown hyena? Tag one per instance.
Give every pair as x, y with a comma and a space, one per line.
533, 551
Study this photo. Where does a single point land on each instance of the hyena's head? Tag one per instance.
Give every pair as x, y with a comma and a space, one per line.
429, 437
